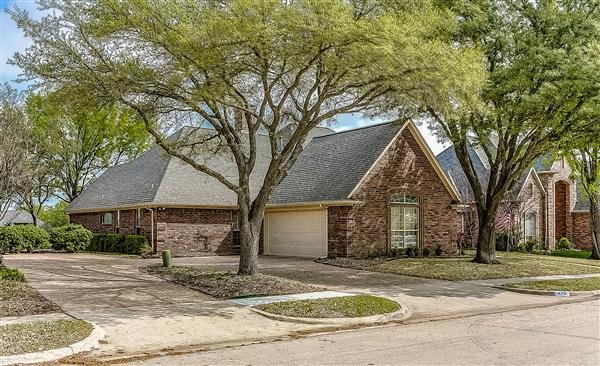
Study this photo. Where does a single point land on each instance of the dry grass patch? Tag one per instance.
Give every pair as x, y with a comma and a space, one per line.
570, 284
511, 265
16, 339
335, 307
19, 299
227, 285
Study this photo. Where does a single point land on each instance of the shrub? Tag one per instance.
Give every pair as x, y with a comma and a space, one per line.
411, 251
7, 274
426, 252
10, 239
136, 244
397, 252
33, 237
502, 239
368, 253
71, 238
114, 243
564, 244
95, 245
439, 251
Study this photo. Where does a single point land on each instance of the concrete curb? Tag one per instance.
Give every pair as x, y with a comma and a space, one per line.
401, 314
84, 345
546, 292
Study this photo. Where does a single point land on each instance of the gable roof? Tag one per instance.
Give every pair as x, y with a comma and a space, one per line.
451, 166
333, 166
14, 217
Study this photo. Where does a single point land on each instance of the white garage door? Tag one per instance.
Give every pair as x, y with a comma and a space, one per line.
300, 233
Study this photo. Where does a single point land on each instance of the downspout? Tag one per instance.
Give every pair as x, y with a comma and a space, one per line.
152, 229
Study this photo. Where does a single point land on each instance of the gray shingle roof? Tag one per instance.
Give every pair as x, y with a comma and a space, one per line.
159, 179
13, 217
332, 165
451, 166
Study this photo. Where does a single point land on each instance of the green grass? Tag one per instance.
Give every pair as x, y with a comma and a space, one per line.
21, 338
583, 254
7, 274
337, 307
19, 299
510, 265
571, 284
227, 285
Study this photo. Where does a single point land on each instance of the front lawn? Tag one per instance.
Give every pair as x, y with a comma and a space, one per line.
583, 254
227, 285
510, 265
16, 339
336, 307
571, 284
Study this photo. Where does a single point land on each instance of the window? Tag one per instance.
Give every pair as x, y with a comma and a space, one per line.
107, 218
404, 217
531, 226
138, 221
235, 228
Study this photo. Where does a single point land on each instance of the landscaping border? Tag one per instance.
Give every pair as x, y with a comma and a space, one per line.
401, 314
87, 344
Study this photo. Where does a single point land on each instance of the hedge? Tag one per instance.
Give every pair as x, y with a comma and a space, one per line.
71, 238
7, 274
19, 238
119, 243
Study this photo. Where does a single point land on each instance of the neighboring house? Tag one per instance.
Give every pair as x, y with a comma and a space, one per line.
373, 188
14, 217
545, 205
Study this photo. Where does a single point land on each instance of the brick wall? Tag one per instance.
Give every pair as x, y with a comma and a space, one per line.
404, 169
582, 230
193, 232
93, 221
337, 229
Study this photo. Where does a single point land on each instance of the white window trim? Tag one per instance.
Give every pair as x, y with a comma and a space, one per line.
105, 215
404, 205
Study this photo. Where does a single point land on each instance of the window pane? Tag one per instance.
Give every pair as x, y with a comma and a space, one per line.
411, 218
411, 238
235, 221
397, 239
397, 218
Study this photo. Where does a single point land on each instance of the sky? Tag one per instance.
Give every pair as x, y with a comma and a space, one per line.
12, 40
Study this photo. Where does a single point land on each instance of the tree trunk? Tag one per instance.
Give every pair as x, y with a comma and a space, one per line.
595, 221
250, 227
486, 248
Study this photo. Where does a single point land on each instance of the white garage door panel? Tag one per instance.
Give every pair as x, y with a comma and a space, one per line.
297, 233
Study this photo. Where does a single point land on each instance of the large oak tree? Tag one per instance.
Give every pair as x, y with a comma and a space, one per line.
244, 67
542, 59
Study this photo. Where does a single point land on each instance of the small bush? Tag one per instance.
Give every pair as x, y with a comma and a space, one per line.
426, 252
502, 239
397, 252
19, 238
411, 251
71, 238
438, 251
564, 244
136, 244
10, 239
115, 243
368, 253
33, 237
7, 274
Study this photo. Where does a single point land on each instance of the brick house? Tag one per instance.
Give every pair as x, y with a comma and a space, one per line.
545, 205
373, 188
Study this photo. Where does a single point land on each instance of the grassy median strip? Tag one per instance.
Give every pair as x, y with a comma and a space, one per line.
16, 339
571, 284
511, 265
335, 307
227, 285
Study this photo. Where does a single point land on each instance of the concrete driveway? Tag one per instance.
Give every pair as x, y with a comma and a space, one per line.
139, 312
142, 313
427, 299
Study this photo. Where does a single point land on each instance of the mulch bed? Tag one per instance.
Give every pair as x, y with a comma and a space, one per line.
19, 299
227, 285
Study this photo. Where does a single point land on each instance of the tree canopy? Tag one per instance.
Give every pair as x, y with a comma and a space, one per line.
542, 61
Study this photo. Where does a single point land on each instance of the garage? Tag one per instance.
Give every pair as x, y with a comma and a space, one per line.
298, 233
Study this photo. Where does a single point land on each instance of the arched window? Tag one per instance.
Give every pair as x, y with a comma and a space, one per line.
531, 226
404, 219
107, 218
